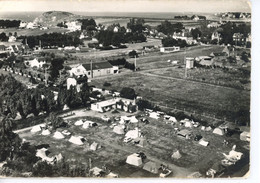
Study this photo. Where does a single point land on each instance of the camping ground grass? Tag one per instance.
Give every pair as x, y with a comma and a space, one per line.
161, 143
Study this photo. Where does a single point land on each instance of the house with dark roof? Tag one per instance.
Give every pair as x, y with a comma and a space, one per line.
95, 69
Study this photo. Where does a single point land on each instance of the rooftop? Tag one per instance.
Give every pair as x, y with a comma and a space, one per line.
98, 65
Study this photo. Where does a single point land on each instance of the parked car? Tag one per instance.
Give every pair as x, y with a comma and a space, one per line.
165, 173
127, 139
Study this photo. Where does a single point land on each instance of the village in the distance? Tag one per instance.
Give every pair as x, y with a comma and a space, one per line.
125, 96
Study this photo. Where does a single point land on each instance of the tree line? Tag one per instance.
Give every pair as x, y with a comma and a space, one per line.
9, 23
52, 39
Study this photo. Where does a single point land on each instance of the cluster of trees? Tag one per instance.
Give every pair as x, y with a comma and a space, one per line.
168, 28
169, 41
227, 30
128, 93
88, 24
3, 37
9, 23
108, 37
52, 39
196, 33
62, 24
136, 25
122, 62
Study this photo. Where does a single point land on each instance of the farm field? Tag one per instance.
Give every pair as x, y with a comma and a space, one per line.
161, 143
193, 96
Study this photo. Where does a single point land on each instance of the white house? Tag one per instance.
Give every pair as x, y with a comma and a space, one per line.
216, 35
36, 63
11, 39
73, 26
78, 70
116, 29
31, 25
169, 49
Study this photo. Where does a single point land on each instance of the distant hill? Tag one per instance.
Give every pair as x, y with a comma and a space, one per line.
52, 18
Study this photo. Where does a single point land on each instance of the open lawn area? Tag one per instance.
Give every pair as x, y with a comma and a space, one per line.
193, 96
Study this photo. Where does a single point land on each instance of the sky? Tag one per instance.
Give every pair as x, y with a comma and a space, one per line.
126, 5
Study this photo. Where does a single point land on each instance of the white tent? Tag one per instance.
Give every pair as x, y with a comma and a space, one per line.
66, 132
203, 142
133, 119
218, 131
208, 128
176, 155
122, 121
112, 175
58, 157
119, 129
78, 140
233, 155
36, 128
188, 124
133, 133
87, 124
93, 146
58, 135
78, 123
41, 153
154, 115
65, 107
203, 128
46, 132
125, 118
173, 119
133, 159
151, 167
96, 171
245, 136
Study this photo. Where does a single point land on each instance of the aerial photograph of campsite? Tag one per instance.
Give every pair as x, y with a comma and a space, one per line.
125, 89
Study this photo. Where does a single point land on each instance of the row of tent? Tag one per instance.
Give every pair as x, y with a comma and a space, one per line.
85, 124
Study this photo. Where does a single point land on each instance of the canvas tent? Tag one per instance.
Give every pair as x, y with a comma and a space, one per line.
245, 136
133, 119
112, 175
184, 133
94, 146
203, 142
208, 128
78, 123
151, 167
233, 155
173, 119
154, 115
119, 129
66, 132
46, 132
134, 159
65, 107
188, 124
78, 140
41, 153
141, 142
133, 133
58, 135
176, 155
96, 171
88, 124
37, 128
218, 131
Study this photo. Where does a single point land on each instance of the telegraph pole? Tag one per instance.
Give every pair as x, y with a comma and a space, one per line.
135, 62
185, 64
91, 68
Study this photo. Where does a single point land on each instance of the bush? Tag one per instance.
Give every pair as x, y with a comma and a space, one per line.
128, 93
107, 84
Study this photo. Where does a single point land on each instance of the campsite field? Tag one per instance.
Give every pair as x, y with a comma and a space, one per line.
162, 141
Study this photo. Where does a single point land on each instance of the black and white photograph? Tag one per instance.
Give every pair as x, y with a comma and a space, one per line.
125, 89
